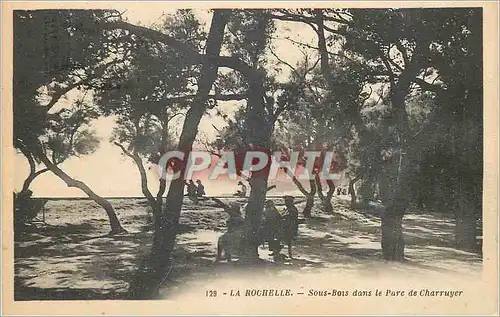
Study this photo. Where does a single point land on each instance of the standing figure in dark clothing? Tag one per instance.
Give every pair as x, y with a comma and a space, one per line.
290, 223
191, 191
200, 189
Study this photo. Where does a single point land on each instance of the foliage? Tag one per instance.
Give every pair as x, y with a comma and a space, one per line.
59, 55
155, 87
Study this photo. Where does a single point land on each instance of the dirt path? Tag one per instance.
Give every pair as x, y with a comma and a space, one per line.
71, 258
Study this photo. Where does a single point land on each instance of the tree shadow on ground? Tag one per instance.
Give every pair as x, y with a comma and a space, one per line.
23, 293
77, 261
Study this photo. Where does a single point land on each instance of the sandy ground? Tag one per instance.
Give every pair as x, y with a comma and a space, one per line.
70, 256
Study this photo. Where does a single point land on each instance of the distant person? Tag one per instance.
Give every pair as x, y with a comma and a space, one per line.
200, 189
241, 192
272, 227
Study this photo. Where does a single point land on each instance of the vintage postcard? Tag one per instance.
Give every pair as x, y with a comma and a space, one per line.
249, 158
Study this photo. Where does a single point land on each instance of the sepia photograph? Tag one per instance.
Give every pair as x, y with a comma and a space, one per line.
244, 160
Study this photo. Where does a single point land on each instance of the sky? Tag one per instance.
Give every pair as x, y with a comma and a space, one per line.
107, 171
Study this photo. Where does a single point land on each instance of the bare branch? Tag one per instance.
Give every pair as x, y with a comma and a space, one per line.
173, 116
287, 16
285, 63
367, 97
329, 29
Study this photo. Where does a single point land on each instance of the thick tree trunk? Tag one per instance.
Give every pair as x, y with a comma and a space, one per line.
116, 227
260, 135
155, 268
327, 204
309, 194
307, 212
393, 185
310, 199
259, 128
31, 178
253, 220
392, 235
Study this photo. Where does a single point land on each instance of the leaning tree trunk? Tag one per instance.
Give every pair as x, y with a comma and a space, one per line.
310, 199
326, 201
309, 194
155, 204
392, 234
253, 220
155, 267
116, 227
260, 135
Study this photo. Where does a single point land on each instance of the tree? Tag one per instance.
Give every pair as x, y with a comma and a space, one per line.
402, 50
139, 138
153, 269
292, 136
58, 58
454, 131
155, 88
408, 57
250, 30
